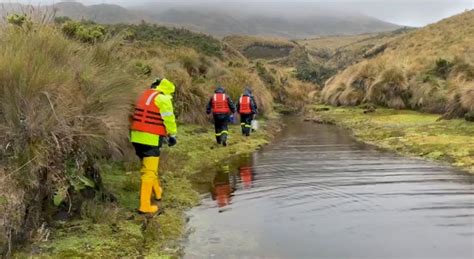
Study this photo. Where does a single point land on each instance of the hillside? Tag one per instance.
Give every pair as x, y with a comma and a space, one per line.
67, 89
227, 23
313, 60
223, 20
430, 69
260, 47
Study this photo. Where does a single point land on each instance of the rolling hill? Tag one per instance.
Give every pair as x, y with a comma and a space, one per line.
224, 20
430, 69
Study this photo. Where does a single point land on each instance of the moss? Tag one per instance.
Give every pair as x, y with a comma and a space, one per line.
408, 132
115, 230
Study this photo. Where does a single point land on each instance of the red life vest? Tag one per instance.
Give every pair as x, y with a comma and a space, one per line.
244, 105
220, 104
147, 116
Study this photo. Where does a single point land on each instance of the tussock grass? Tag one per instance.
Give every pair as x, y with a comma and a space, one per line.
60, 101
430, 69
64, 105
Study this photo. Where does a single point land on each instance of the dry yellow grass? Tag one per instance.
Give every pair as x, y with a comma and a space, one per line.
335, 42
427, 69
241, 42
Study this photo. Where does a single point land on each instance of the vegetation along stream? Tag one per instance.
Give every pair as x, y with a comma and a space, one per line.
316, 192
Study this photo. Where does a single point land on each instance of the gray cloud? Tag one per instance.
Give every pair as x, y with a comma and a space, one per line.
405, 12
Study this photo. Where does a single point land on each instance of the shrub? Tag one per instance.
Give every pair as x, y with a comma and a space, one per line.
442, 68
172, 37
312, 72
83, 33
61, 19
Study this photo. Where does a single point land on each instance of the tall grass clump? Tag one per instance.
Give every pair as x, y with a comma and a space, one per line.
62, 106
430, 69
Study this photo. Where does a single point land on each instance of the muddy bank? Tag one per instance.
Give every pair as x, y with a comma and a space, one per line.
406, 132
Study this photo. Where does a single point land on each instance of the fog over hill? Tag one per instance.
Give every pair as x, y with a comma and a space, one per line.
291, 20
416, 13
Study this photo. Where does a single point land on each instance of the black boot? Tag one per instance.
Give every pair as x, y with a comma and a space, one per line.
224, 140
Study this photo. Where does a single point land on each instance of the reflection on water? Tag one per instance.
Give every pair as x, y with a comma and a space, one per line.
225, 181
315, 193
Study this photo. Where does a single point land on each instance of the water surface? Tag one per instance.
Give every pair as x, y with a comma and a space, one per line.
316, 193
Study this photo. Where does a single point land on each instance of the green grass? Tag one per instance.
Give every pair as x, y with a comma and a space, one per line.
409, 132
126, 234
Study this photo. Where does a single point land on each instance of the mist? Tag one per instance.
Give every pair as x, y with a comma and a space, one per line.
403, 12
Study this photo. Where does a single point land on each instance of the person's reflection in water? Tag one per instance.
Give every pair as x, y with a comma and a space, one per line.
246, 176
222, 188
246, 172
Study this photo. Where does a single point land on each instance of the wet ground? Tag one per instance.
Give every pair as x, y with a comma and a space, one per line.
316, 193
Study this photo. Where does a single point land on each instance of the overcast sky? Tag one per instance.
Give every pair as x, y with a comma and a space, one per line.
404, 12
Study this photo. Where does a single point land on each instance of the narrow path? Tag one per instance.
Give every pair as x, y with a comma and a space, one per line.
316, 193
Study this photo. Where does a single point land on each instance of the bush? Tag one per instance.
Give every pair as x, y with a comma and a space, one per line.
171, 36
61, 19
442, 68
83, 33
312, 72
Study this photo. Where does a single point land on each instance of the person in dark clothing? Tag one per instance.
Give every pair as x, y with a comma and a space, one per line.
221, 106
247, 108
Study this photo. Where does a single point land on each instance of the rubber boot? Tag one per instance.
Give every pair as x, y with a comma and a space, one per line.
148, 178
145, 198
157, 190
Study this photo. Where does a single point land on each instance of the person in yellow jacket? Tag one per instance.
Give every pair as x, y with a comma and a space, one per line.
153, 123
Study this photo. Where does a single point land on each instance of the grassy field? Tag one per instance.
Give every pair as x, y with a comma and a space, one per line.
407, 132
115, 230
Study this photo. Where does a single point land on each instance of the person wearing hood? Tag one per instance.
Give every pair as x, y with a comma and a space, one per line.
153, 123
222, 107
247, 108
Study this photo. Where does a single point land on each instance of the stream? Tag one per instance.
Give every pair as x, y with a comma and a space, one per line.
315, 192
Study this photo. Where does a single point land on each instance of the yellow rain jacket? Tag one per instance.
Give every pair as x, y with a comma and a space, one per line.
165, 104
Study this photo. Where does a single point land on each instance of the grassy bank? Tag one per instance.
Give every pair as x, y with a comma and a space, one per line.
406, 132
115, 230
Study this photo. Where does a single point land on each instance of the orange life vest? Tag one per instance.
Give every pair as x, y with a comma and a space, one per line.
220, 104
147, 116
223, 195
244, 105
246, 176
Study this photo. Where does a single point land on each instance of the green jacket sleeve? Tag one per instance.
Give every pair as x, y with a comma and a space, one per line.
165, 103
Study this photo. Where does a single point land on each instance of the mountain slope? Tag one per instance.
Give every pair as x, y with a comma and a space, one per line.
430, 69
224, 23
225, 20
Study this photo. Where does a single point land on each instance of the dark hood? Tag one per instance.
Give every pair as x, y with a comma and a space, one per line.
247, 92
219, 90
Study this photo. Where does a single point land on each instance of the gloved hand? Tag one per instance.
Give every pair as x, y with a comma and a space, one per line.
172, 141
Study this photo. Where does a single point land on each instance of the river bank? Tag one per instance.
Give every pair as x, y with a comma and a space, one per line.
406, 132
114, 229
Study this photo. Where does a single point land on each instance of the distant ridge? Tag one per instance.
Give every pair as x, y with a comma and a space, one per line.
223, 22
